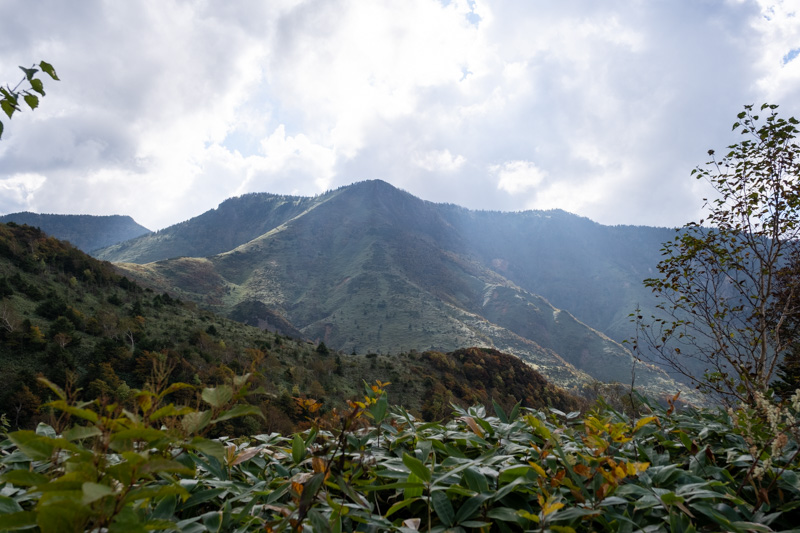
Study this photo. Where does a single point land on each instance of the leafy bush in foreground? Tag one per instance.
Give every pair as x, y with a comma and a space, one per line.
376, 468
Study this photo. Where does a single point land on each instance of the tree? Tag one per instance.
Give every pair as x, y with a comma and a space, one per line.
721, 323
10, 97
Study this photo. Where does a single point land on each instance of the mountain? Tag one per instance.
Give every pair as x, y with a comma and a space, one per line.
370, 268
86, 232
63, 313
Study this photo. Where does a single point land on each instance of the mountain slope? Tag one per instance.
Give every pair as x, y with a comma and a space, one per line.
85, 232
63, 312
371, 268
233, 222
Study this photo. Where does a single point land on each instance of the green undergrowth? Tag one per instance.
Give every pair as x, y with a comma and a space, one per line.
373, 467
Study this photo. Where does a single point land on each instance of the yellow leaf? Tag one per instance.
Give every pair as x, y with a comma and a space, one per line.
643, 422
539, 469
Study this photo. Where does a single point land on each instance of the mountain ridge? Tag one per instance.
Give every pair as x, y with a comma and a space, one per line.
85, 232
369, 267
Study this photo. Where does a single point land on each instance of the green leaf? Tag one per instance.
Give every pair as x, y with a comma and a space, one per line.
37, 85
211, 448
298, 449
95, 491
32, 100
470, 507
213, 521
8, 505
24, 478
417, 467
19, 520
413, 487
34, 446
1, 130
169, 410
174, 388
48, 68
217, 396
29, 72
62, 405
238, 411
196, 421
400, 505
82, 432
8, 107
443, 507
53, 387
498, 409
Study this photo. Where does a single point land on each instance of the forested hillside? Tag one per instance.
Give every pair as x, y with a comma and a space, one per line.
73, 319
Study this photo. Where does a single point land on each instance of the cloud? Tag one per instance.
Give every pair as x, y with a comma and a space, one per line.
19, 189
165, 109
517, 176
438, 161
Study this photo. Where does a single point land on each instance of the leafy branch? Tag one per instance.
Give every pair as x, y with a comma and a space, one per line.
10, 102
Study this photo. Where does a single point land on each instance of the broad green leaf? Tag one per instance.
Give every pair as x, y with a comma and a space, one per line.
298, 449
238, 411
400, 505
443, 507
469, 508
94, 491
209, 447
24, 478
1, 130
417, 467
169, 410
174, 387
213, 521
217, 396
413, 487
82, 432
29, 72
196, 421
32, 100
62, 405
34, 446
18, 520
165, 508
149, 435
8, 505
498, 410
37, 85
48, 68
7, 107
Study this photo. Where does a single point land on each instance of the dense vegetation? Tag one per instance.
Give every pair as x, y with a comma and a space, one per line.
375, 468
71, 318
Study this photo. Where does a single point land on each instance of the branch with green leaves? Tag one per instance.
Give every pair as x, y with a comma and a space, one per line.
10, 102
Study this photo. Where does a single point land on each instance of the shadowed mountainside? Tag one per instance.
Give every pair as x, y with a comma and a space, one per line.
371, 268
85, 232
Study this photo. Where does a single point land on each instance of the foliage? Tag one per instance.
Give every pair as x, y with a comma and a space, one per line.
718, 285
10, 103
375, 467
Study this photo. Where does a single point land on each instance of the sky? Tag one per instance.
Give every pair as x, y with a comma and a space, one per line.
165, 108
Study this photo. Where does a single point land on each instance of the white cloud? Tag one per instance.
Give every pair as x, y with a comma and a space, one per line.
19, 189
517, 176
167, 108
438, 161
